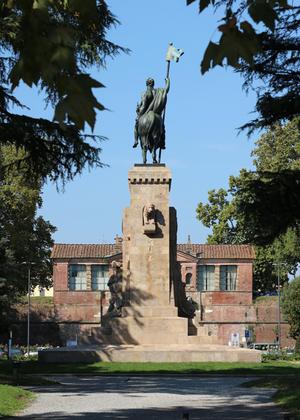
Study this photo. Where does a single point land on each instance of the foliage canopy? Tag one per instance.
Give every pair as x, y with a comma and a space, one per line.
50, 44
291, 306
276, 150
260, 40
24, 236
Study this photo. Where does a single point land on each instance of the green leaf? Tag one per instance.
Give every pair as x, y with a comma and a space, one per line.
247, 27
262, 11
22, 72
78, 103
86, 9
64, 57
211, 55
203, 5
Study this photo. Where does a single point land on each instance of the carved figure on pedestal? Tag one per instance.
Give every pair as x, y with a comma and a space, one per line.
115, 288
149, 219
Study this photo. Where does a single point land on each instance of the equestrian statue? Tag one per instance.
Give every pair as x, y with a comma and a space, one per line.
149, 126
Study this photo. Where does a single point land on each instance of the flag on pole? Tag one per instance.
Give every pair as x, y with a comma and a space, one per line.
173, 53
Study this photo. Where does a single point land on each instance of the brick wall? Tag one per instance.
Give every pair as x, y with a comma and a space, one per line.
220, 321
223, 312
60, 277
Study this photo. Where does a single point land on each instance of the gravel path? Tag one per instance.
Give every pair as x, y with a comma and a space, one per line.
145, 398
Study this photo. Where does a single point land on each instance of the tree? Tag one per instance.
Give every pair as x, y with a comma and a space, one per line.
24, 237
220, 214
291, 306
260, 40
268, 200
50, 44
278, 148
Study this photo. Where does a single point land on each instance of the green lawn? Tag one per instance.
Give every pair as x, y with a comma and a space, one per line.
261, 369
13, 399
265, 299
39, 300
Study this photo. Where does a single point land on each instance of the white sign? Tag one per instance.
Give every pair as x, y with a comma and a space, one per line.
235, 339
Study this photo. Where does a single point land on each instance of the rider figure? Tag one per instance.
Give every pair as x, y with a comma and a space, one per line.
143, 107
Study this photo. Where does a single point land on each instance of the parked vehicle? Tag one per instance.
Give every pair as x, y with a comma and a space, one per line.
31, 353
265, 348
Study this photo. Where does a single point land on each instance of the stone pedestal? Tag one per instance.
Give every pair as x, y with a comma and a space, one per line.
148, 317
146, 246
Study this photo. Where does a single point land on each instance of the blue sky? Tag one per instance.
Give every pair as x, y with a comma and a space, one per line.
202, 117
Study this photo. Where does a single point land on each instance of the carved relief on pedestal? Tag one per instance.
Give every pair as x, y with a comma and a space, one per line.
149, 219
116, 293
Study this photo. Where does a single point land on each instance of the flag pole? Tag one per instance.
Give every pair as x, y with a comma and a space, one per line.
172, 54
164, 112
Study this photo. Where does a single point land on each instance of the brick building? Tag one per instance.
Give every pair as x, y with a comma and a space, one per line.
217, 277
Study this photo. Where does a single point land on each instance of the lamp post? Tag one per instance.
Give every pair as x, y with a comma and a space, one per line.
278, 264
29, 264
28, 308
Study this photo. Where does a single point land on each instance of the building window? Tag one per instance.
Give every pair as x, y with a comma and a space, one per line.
206, 277
42, 292
100, 277
77, 277
188, 279
228, 276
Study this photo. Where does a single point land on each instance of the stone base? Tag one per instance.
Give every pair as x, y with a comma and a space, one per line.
151, 353
145, 325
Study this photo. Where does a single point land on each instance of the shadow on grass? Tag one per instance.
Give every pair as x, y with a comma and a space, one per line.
287, 394
103, 368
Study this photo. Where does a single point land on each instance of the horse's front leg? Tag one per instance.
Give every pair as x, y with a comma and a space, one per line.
144, 154
154, 155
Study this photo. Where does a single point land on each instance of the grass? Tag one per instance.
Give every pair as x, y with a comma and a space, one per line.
265, 299
39, 300
287, 395
13, 399
99, 368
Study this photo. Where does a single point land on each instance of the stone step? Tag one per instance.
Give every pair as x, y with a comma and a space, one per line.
150, 311
153, 353
159, 325
196, 339
147, 330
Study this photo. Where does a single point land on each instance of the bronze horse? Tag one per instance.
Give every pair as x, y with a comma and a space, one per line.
150, 125
151, 132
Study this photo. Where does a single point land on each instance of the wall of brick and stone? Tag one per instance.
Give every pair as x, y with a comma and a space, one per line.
220, 321
223, 312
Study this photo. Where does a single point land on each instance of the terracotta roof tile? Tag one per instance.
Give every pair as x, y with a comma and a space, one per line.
83, 250
200, 250
218, 251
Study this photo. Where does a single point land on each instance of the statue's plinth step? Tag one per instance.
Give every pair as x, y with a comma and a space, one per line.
150, 353
150, 311
144, 330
